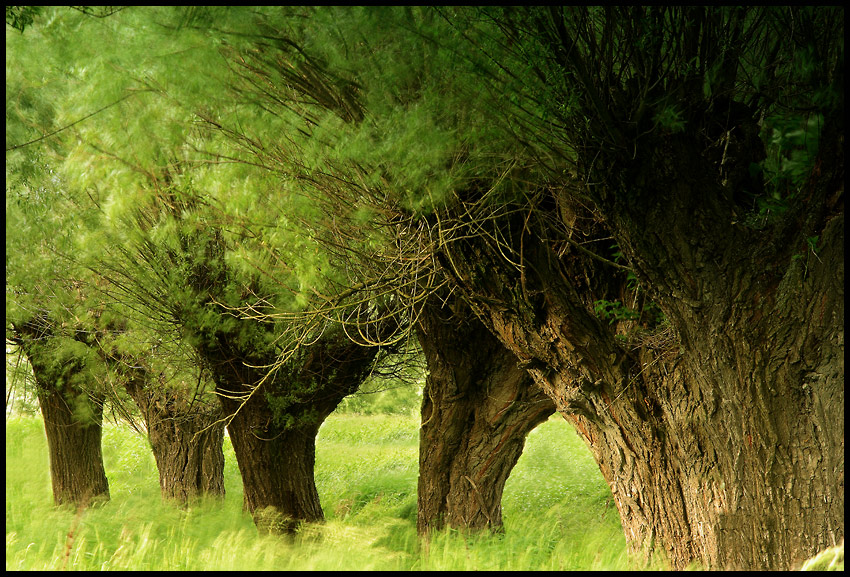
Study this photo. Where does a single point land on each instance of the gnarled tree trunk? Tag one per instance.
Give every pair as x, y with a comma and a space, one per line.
477, 409
726, 446
757, 418
273, 423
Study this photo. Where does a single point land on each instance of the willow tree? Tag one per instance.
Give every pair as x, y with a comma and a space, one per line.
71, 408
181, 245
565, 164
276, 380
478, 406
54, 303
46, 298
174, 401
711, 144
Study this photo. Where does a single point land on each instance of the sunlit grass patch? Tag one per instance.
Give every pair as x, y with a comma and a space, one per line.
367, 467
555, 509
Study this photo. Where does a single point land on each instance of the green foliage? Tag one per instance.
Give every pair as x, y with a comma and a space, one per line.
398, 399
42, 220
177, 155
812, 241
20, 384
418, 97
67, 364
792, 143
670, 120
394, 389
287, 414
19, 17
615, 311
831, 559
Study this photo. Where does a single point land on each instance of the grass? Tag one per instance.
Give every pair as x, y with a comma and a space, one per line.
556, 510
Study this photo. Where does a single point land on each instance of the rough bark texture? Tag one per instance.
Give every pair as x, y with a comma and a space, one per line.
277, 466
186, 439
757, 418
274, 431
72, 420
726, 446
74, 443
729, 449
478, 406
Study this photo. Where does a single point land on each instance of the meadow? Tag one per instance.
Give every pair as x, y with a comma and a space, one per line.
557, 509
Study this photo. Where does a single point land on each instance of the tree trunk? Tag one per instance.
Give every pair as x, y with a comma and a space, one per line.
477, 409
72, 419
277, 464
273, 423
186, 440
189, 456
72, 423
730, 464
724, 446
754, 421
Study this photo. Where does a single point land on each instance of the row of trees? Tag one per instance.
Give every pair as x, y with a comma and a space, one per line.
633, 216
165, 300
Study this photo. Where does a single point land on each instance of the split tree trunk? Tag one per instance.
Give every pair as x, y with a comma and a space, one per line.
477, 409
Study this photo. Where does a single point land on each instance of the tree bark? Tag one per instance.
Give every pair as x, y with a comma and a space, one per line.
273, 423
478, 406
759, 316
186, 439
74, 443
724, 446
277, 464
72, 419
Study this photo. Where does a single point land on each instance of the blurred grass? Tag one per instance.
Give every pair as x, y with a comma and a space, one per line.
555, 509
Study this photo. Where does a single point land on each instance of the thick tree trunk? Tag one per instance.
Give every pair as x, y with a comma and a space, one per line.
186, 440
72, 420
755, 425
277, 464
273, 423
72, 423
189, 456
477, 409
185, 433
726, 445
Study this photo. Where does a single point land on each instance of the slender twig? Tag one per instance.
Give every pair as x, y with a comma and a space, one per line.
67, 126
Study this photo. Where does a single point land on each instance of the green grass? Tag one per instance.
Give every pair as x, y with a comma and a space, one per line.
556, 510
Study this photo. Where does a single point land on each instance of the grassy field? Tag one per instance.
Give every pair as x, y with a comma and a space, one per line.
556, 510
